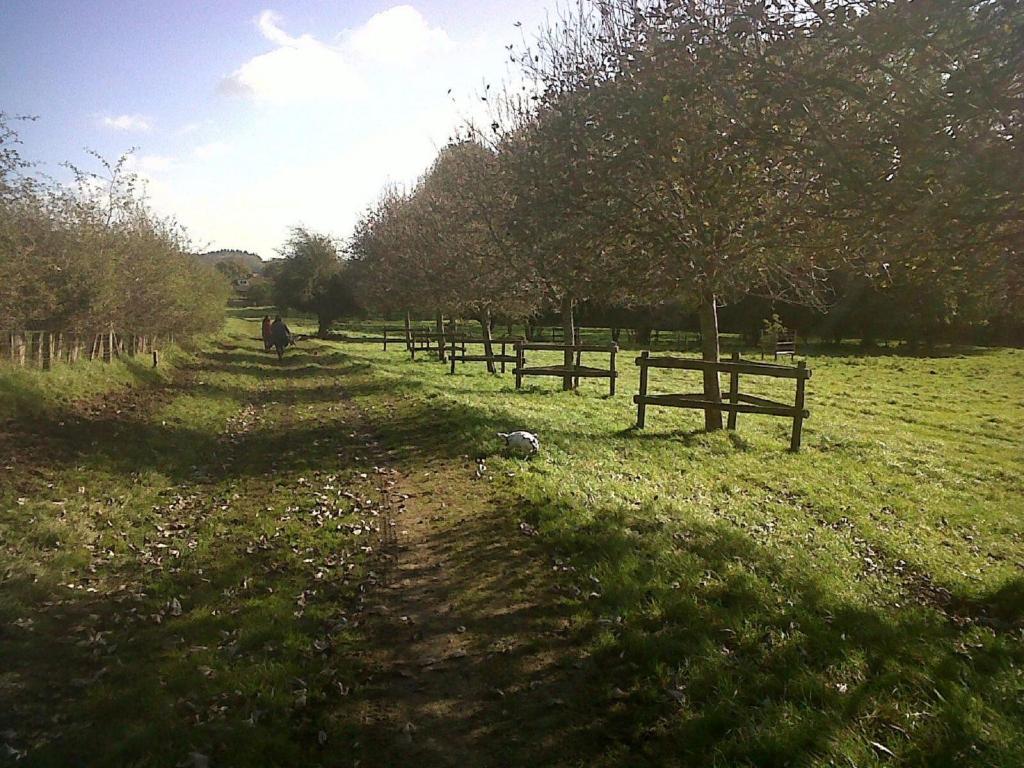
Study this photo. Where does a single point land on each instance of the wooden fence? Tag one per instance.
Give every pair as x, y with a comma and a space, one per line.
424, 341
41, 349
391, 336
737, 401
458, 352
566, 372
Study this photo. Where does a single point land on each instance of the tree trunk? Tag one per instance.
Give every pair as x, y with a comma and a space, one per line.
708, 315
615, 334
567, 336
408, 332
323, 326
485, 324
439, 320
643, 335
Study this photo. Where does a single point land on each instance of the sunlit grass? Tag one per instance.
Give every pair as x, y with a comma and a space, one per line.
861, 597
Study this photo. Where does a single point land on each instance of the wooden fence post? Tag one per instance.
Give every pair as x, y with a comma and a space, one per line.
641, 406
503, 357
798, 405
108, 345
453, 356
46, 350
614, 372
734, 391
579, 356
36, 340
520, 363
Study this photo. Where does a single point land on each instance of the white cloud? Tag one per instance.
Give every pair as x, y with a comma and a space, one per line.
268, 23
189, 128
211, 150
127, 122
154, 163
299, 69
399, 34
305, 69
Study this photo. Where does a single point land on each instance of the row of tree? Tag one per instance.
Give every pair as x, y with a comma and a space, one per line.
90, 255
860, 153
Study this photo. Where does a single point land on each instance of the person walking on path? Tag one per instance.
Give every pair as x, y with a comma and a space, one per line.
267, 339
280, 336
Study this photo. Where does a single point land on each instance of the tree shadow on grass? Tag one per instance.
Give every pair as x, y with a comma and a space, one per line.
118, 434
705, 648
130, 678
295, 364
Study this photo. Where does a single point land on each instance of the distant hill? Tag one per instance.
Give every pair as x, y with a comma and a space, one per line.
254, 262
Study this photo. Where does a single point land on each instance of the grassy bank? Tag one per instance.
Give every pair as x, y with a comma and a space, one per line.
27, 392
858, 603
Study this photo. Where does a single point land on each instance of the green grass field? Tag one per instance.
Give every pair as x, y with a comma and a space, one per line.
860, 598
170, 588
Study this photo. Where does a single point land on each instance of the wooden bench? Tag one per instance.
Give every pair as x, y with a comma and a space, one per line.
780, 343
458, 351
736, 401
574, 372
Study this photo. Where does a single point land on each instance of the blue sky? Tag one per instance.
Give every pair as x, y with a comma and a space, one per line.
250, 117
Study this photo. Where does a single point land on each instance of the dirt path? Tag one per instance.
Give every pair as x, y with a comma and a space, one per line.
467, 640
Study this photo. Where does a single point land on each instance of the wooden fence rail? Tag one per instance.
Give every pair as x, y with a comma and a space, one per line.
459, 354
737, 402
388, 336
424, 341
574, 372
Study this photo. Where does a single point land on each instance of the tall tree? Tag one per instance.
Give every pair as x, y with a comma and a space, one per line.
313, 278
